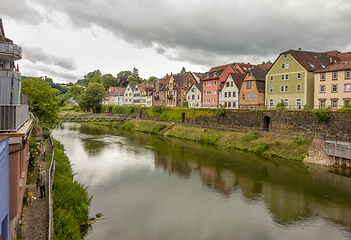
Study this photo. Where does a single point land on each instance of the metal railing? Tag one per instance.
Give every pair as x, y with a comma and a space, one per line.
51, 173
12, 117
11, 49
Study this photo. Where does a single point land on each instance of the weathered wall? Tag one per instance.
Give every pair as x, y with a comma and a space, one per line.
339, 123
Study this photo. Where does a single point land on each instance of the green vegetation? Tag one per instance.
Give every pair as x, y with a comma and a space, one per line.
346, 107
71, 204
127, 126
92, 97
220, 110
300, 140
260, 148
281, 106
43, 100
175, 114
157, 128
249, 136
209, 139
322, 114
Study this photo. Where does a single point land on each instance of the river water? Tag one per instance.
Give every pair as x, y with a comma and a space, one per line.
158, 188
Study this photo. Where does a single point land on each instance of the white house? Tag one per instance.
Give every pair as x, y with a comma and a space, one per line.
194, 96
129, 95
229, 90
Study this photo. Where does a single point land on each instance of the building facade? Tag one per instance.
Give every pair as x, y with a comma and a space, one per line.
129, 95
194, 96
229, 91
252, 92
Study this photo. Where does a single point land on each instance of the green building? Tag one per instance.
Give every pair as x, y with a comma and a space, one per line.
291, 78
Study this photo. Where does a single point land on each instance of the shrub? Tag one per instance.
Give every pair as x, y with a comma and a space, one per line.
157, 128
34, 153
281, 106
129, 110
209, 139
249, 136
300, 140
260, 147
185, 104
220, 110
277, 143
127, 126
322, 114
65, 226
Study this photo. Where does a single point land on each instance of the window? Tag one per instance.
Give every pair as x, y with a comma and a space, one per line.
243, 96
204, 101
208, 101
228, 104
271, 78
322, 76
248, 84
214, 101
286, 101
335, 88
189, 97
298, 103
184, 84
298, 75
287, 65
285, 55
193, 97
208, 83
286, 88
286, 76
198, 97
248, 96
204, 92
334, 104
233, 104
227, 84
208, 92
204, 84
281, 88
347, 74
311, 64
298, 88
233, 94
335, 75
282, 78
322, 89
253, 97
225, 94
271, 89
214, 92
322, 104
215, 82
229, 94
283, 65
271, 103
347, 87
231, 83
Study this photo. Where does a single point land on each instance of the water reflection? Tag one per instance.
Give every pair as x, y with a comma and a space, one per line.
254, 191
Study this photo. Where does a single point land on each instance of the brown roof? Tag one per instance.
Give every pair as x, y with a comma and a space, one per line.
259, 76
237, 78
247, 67
215, 72
342, 65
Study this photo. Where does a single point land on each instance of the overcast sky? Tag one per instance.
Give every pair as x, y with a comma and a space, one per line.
65, 39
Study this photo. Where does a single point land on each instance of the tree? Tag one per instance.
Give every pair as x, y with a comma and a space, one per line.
136, 73
94, 76
123, 81
124, 74
109, 81
92, 96
183, 70
43, 100
152, 79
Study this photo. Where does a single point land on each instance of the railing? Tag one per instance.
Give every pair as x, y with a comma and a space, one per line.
11, 49
12, 117
51, 173
9, 74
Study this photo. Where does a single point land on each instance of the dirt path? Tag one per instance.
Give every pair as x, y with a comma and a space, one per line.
36, 216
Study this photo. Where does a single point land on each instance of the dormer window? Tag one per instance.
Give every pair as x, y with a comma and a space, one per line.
285, 55
311, 64
322, 65
215, 74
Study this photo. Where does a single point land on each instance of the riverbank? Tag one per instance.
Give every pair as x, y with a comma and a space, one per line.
268, 144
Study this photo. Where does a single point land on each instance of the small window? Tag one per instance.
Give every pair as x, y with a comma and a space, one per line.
204, 92
204, 101
298, 75
322, 76
281, 88
208, 101
208, 83
271, 89
283, 65
229, 94
243, 96
347, 87
225, 94
286, 76
215, 82
271, 78
214, 92
347, 74
231, 83
248, 96
298, 88
271, 103
208, 92
248, 84
322, 104
335, 75
253, 96
298, 103
287, 65
335, 88
322, 89
184, 84
227, 84
282, 78
228, 104
204, 84
286, 88
214, 101
311, 64
334, 104
233, 94
285, 55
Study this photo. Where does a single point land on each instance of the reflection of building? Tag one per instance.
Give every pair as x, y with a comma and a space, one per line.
170, 165
224, 182
15, 124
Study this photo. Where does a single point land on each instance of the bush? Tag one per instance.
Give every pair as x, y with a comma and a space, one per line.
277, 143
65, 226
281, 106
322, 114
34, 153
129, 110
209, 139
127, 126
300, 140
220, 110
157, 128
260, 147
249, 136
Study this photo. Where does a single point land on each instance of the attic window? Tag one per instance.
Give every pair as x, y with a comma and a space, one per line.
285, 55
215, 74
346, 62
322, 65
311, 64
245, 68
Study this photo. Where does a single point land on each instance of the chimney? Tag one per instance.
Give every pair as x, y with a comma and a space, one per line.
299, 49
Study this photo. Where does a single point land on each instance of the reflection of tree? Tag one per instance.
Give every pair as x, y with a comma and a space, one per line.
93, 146
92, 129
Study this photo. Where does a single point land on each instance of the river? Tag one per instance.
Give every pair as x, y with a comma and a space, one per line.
158, 188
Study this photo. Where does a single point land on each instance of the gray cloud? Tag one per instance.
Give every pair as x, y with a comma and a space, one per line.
20, 11
35, 55
205, 32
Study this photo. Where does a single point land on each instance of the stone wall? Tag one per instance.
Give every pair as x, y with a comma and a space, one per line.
339, 123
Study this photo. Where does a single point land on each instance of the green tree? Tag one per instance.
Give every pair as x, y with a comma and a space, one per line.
43, 100
125, 74
92, 96
136, 73
183, 70
94, 76
109, 81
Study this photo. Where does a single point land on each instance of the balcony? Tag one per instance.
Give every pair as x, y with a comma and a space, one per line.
10, 51
12, 117
10, 87
169, 96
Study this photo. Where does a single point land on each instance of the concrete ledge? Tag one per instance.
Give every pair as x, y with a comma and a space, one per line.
337, 149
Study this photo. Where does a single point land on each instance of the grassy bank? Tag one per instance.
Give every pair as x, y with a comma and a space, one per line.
268, 144
71, 201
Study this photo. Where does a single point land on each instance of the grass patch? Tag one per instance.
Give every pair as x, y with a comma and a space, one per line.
127, 126
260, 148
209, 139
300, 140
249, 136
157, 128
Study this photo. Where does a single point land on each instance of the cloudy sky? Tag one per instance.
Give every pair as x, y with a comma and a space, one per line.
65, 39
